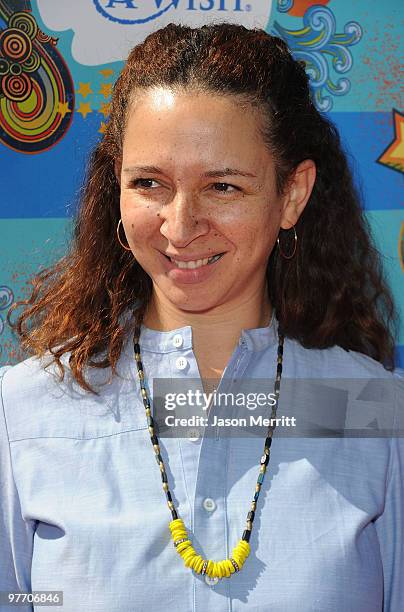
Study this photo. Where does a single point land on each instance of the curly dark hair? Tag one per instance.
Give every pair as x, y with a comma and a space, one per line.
331, 293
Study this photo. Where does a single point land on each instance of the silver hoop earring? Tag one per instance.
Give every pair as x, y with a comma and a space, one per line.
294, 249
119, 240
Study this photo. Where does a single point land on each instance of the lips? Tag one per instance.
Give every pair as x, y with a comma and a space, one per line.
196, 263
192, 262
190, 275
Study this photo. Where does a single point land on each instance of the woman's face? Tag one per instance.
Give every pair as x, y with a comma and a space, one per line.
198, 182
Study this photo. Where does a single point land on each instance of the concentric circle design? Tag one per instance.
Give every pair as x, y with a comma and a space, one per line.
15, 69
16, 87
4, 66
15, 45
32, 63
24, 22
36, 88
43, 38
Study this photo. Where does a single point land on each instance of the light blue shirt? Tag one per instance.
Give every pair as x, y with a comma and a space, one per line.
83, 510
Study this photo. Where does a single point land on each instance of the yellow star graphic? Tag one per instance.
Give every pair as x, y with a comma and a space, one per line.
63, 108
105, 108
393, 156
107, 72
84, 109
103, 127
84, 89
105, 89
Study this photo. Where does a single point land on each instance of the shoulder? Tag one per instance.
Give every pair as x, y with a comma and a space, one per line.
369, 385
333, 361
30, 394
37, 403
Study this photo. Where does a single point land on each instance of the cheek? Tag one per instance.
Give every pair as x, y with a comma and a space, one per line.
139, 221
255, 242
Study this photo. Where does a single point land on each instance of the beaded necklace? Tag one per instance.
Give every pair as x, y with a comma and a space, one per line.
227, 567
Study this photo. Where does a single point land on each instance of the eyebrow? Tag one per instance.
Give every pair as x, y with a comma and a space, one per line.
210, 173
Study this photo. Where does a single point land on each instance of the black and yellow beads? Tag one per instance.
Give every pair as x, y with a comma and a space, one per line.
182, 543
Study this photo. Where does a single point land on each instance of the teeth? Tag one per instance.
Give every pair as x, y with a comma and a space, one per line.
191, 265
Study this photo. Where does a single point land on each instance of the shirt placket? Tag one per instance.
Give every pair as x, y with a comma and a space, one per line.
210, 537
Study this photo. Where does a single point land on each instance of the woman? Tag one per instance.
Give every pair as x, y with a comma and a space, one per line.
219, 237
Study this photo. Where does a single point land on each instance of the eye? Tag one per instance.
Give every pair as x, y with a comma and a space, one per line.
225, 185
137, 182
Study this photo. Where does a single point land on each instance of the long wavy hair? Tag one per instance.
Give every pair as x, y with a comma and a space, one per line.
331, 293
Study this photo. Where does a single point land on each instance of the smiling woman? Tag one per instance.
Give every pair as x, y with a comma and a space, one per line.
190, 232
219, 236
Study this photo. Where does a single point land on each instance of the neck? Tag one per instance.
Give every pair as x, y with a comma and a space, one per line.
215, 332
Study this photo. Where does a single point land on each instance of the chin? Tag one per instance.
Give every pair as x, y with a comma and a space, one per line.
190, 303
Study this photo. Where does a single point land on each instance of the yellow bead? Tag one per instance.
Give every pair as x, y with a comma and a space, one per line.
218, 570
237, 559
193, 561
189, 561
184, 535
183, 546
188, 554
238, 550
245, 546
178, 531
240, 555
190, 549
214, 571
225, 569
198, 564
178, 527
209, 568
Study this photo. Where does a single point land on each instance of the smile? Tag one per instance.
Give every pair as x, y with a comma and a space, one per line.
196, 263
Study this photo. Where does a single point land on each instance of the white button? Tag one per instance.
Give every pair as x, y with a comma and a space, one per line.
209, 504
178, 340
194, 435
211, 581
181, 363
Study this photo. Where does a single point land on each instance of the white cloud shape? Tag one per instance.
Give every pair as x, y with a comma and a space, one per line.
106, 30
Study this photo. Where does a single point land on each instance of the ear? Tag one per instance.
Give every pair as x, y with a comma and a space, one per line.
298, 192
118, 169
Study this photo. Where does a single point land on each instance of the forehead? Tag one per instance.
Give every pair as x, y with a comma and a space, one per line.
193, 123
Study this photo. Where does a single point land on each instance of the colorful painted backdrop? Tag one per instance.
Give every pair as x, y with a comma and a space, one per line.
58, 62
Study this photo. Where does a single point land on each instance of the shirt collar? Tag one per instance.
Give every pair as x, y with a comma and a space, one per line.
156, 341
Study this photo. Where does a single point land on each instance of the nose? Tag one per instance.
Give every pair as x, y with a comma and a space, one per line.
183, 220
